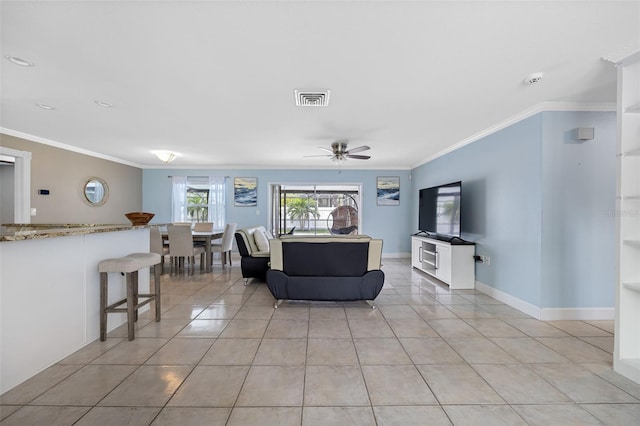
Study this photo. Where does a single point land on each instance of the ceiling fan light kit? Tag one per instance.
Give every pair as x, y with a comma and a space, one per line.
339, 152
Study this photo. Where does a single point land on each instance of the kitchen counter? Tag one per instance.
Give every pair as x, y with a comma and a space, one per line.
19, 232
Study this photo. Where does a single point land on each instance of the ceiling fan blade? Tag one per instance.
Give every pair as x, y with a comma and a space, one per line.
357, 149
358, 157
321, 155
325, 149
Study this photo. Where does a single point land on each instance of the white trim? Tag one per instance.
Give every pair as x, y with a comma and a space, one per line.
547, 314
64, 146
542, 107
22, 184
508, 299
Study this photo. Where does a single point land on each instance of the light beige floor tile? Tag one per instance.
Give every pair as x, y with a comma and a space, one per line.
91, 351
255, 312
245, 328
204, 328
479, 350
430, 350
604, 343
605, 371
183, 312
49, 416
117, 416
335, 386
470, 312
271, 386
399, 312
606, 325
453, 328
219, 312
164, 328
434, 312
528, 350
38, 384
581, 385
261, 416
545, 415
363, 313
579, 328
231, 352
232, 299
494, 328
517, 384
240, 289
458, 384
410, 328
331, 352
374, 327
330, 416
535, 328
327, 312
380, 351
385, 299
615, 414
7, 410
281, 352
210, 386
87, 386
503, 311
396, 385
483, 415
133, 352
329, 328
287, 312
575, 349
410, 415
286, 329
192, 416
181, 352
148, 386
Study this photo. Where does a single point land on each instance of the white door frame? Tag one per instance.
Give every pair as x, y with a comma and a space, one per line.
22, 185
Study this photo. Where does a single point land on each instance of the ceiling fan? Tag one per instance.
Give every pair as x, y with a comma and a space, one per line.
339, 152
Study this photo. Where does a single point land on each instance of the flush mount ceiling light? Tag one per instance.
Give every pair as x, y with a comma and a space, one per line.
165, 156
45, 106
312, 98
19, 61
103, 104
533, 78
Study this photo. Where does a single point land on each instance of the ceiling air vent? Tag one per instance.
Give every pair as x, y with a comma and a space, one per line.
312, 98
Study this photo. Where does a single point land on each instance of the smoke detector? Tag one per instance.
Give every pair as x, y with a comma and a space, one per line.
533, 78
312, 98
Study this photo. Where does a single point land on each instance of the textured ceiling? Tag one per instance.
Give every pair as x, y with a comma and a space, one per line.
214, 81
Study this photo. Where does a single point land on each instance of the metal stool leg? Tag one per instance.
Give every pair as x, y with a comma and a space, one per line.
157, 270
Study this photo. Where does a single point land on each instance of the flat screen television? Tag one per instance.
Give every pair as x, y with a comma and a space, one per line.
439, 210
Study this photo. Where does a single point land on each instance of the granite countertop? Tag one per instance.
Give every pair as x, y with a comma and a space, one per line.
19, 232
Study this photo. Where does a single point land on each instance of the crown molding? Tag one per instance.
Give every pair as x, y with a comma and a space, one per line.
541, 107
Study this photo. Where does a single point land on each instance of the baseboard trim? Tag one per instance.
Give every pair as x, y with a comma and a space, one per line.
547, 314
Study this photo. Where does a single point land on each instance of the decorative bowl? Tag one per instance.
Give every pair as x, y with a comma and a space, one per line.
139, 218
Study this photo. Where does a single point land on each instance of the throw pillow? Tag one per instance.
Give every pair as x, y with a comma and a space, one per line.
262, 241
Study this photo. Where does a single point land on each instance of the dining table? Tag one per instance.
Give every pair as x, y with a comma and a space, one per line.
205, 237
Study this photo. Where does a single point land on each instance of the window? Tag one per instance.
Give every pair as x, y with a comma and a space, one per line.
198, 199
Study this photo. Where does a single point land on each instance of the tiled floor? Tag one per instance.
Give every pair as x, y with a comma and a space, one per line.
223, 356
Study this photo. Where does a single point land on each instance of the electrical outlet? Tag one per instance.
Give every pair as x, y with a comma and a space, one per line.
487, 260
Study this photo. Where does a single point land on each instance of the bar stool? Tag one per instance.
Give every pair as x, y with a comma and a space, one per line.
128, 266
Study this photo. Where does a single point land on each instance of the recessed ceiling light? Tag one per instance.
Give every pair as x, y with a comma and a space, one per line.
19, 61
45, 106
104, 104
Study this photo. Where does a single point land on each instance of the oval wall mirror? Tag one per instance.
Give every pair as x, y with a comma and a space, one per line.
96, 191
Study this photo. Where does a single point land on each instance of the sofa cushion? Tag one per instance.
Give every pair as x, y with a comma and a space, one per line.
331, 259
261, 239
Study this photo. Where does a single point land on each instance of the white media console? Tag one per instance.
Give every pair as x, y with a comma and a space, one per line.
452, 264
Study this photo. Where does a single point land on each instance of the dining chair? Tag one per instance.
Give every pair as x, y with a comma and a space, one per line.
226, 244
203, 227
181, 248
156, 245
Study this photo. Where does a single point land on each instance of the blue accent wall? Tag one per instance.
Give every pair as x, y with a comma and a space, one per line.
538, 202
391, 223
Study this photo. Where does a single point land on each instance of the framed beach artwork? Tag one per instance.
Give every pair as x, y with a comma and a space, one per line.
245, 191
388, 190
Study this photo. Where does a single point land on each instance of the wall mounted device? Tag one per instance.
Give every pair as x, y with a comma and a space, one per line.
585, 133
43, 191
